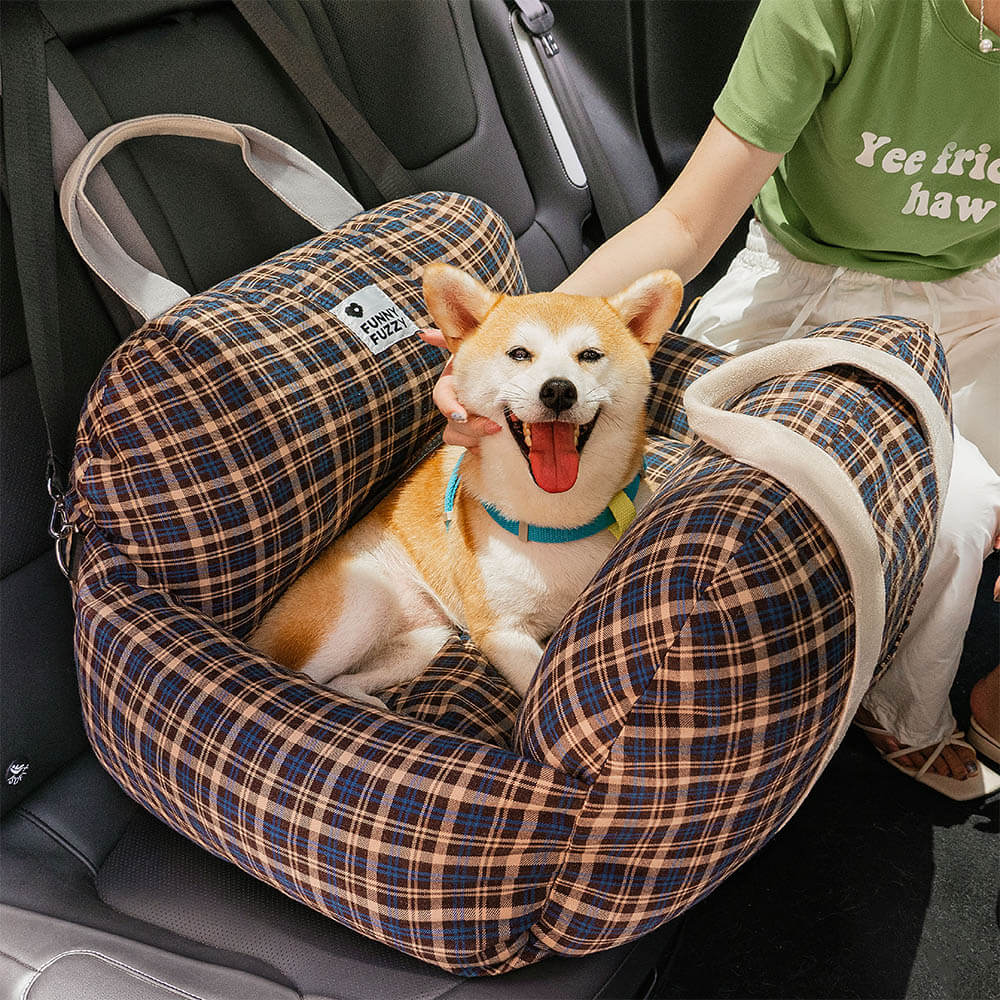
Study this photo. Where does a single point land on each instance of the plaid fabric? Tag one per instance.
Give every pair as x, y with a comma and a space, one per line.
462, 692
438, 844
677, 718
698, 682
886, 456
675, 365
228, 441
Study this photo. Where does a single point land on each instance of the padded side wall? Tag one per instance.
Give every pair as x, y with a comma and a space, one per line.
698, 683
435, 844
229, 440
724, 738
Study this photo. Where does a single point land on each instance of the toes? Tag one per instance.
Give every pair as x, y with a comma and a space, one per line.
953, 761
945, 763
956, 762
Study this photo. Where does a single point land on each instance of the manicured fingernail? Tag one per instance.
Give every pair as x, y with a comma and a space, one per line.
459, 418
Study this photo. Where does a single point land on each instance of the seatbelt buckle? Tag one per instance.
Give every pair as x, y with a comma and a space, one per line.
537, 19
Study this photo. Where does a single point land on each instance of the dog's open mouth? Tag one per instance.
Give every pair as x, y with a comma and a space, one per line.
552, 449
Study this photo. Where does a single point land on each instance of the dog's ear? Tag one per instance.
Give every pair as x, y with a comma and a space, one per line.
456, 301
648, 306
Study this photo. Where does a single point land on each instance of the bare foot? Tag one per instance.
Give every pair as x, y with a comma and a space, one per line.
996, 583
985, 703
954, 761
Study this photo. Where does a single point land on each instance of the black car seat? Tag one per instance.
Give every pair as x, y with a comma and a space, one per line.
99, 898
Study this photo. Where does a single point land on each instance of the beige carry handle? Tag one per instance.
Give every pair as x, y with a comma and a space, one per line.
295, 179
816, 477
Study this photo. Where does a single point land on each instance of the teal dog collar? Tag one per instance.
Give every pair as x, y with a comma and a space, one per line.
616, 517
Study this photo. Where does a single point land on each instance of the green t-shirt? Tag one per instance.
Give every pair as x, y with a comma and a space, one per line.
889, 119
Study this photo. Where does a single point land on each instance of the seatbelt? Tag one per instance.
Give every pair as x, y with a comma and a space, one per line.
27, 158
311, 76
610, 203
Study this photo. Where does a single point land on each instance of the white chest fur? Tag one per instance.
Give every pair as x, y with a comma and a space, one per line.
534, 584
528, 587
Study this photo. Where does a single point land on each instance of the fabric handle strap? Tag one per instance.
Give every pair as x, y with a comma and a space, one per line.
816, 477
295, 179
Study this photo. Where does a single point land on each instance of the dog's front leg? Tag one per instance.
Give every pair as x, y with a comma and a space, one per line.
514, 653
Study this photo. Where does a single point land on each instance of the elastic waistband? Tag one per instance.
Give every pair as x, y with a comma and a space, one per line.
764, 252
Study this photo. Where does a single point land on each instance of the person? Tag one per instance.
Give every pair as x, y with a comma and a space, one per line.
865, 134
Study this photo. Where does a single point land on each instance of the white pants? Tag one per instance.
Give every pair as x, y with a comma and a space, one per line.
769, 295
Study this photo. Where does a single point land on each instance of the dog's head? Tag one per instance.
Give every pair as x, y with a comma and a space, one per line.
568, 375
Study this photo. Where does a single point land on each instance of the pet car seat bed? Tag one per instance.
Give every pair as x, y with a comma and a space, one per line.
681, 712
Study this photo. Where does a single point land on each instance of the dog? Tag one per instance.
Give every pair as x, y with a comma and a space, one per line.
502, 539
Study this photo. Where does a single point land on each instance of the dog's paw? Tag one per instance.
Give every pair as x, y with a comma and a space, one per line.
354, 691
515, 654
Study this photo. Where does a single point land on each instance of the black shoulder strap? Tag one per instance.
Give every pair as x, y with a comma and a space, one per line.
27, 161
312, 77
28, 171
609, 199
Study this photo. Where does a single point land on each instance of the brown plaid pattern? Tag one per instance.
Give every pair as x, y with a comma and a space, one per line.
461, 691
231, 439
724, 618
438, 844
676, 364
679, 713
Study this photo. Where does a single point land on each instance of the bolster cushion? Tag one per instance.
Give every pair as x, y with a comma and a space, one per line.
681, 712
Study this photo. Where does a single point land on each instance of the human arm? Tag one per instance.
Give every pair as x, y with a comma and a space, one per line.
686, 227
682, 232
792, 52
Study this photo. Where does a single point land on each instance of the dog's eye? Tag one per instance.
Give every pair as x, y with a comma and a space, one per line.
519, 354
590, 354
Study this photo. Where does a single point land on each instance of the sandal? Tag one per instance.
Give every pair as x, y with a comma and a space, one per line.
983, 742
983, 782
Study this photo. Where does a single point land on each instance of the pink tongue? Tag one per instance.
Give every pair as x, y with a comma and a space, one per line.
554, 459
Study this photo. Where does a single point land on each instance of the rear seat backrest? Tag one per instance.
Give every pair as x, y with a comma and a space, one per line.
679, 62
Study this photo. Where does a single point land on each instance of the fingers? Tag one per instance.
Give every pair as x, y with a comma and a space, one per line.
445, 398
463, 429
433, 336
469, 432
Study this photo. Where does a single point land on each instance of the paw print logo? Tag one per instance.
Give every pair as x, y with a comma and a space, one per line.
354, 310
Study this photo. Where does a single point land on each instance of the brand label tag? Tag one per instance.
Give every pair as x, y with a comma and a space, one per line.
375, 319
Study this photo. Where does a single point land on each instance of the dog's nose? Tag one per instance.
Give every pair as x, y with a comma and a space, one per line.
557, 394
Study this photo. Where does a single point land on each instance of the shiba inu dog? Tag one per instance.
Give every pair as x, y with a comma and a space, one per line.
499, 540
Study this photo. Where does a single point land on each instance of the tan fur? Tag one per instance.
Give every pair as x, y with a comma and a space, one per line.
372, 610
308, 607
414, 513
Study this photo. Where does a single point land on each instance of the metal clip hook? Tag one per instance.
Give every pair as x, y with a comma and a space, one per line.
61, 530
